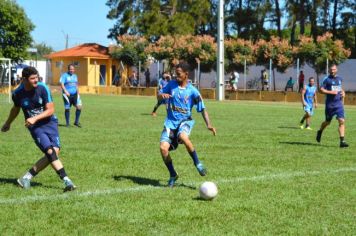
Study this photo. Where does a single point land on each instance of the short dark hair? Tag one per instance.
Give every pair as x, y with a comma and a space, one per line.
28, 71
184, 66
70, 66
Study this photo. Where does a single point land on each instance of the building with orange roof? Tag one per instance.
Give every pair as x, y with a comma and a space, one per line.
93, 63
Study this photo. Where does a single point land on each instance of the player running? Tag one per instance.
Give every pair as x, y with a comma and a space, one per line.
334, 106
37, 105
161, 84
70, 92
309, 102
181, 96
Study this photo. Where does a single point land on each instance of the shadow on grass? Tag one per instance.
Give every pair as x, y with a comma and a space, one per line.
14, 182
146, 181
301, 143
146, 114
287, 127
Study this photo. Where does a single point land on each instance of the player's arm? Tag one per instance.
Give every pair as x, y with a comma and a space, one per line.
207, 122
62, 81
12, 116
303, 93
325, 91
164, 93
49, 111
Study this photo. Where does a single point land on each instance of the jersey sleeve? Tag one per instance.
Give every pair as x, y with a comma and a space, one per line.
166, 89
324, 83
46, 95
62, 80
198, 101
15, 100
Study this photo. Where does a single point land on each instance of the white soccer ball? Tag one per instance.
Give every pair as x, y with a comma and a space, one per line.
208, 190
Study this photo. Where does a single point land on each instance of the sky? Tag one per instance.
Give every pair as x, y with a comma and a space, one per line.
84, 21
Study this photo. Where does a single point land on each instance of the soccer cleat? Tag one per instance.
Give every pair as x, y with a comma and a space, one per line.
78, 125
201, 169
301, 125
318, 136
308, 128
24, 183
69, 186
172, 181
343, 144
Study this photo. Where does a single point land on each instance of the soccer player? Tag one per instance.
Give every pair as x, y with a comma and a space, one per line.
309, 102
70, 92
334, 106
37, 105
161, 84
181, 97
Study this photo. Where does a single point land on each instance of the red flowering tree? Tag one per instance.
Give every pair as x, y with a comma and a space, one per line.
236, 52
280, 51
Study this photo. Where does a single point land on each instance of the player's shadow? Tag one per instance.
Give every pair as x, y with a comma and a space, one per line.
300, 143
146, 114
139, 180
14, 182
287, 127
147, 181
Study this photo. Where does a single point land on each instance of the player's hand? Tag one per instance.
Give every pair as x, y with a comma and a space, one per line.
165, 95
67, 94
5, 127
342, 93
212, 129
30, 121
315, 105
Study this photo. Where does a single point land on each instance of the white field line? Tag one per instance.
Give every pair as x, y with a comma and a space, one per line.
279, 176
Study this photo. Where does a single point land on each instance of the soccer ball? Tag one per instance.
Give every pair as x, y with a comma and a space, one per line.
208, 190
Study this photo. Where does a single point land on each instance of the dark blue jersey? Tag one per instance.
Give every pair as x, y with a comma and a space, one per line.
33, 102
333, 84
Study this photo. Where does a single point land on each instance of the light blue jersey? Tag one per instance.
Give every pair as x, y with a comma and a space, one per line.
180, 103
70, 82
309, 94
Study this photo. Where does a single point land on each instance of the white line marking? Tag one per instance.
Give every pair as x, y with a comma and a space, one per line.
280, 176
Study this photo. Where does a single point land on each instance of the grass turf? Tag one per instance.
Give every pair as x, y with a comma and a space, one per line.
273, 178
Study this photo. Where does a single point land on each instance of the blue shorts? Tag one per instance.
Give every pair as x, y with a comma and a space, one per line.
330, 112
171, 135
71, 100
46, 135
309, 109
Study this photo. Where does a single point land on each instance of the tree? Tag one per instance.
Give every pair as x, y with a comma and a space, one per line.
15, 29
42, 50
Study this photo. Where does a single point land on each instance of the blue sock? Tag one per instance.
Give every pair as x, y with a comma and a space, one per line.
170, 168
67, 114
77, 115
194, 156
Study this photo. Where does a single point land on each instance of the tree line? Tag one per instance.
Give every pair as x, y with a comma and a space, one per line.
245, 19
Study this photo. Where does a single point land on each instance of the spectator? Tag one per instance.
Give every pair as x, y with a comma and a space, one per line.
148, 77
264, 79
290, 84
301, 81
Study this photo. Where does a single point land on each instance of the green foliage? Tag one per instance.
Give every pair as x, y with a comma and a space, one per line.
15, 29
42, 50
273, 178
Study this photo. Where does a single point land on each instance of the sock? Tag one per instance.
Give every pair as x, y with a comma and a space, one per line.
62, 173
306, 125
30, 174
170, 168
302, 120
155, 108
77, 115
342, 139
194, 156
67, 114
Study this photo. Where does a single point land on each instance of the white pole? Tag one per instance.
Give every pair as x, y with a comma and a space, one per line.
245, 71
138, 73
270, 74
220, 88
198, 84
298, 72
9, 68
158, 71
327, 66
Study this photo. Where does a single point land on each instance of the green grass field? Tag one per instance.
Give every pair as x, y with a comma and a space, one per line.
273, 178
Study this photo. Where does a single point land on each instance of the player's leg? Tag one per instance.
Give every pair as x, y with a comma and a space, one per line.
165, 146
156, 107
341, 129
328, 117
78, 105
183, 136
66, 108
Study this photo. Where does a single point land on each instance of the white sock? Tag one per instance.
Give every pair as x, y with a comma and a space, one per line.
27, 176
66, 178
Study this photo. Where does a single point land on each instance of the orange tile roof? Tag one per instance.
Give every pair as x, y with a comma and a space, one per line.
83, 50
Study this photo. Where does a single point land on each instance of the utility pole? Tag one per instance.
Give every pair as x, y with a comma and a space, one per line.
220, 85
66, 36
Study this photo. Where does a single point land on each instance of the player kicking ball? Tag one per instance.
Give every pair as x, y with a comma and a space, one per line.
181, 97
309, 102
36, 102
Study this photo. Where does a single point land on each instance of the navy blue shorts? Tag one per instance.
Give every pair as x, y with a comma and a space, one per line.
330, 112
46, 135
71, 100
